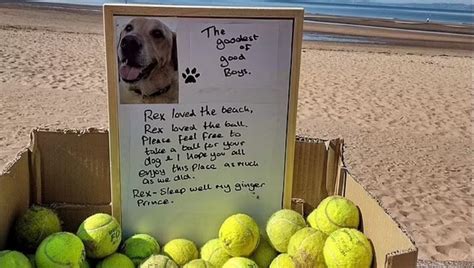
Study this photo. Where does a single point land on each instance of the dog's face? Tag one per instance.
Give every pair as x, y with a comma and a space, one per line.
145, 45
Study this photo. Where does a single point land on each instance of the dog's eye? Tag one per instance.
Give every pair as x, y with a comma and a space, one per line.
128, 28
156, 33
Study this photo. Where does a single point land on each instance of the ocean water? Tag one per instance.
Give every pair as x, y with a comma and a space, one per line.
451, 14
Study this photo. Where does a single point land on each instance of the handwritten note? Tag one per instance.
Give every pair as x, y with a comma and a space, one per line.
181, 151
243, 42
250, 56
221, 150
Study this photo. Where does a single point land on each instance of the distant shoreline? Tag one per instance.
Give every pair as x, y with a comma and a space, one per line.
344, 29
394, 32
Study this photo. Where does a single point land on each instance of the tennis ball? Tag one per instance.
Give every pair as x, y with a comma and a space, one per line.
281, 226
101, 235
348, 248
214, 253
240, 262
116, 260
14, 259
158, 261
283, 261
239, 235
334, 212
264, 254
181, 251
34, 226
60, 250
199, 263
306, 247
139, 247
86, 264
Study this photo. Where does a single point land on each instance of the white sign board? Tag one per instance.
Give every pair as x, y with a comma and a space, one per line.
202, 112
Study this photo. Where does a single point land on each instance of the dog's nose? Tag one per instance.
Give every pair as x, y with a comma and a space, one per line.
130, 45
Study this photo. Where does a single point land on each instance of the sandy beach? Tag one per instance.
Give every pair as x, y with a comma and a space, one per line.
405, 114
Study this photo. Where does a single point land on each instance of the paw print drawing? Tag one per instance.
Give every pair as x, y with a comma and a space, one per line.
190, 75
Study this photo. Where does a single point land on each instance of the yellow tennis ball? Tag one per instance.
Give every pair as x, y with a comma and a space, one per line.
239, 235
101, 235
334, 212
281, 226
348, 248
214, 253
199, 263
283, 261
34, 226
240, 262
160, 261
306, 247
139, 247
86, 264
181, 251
14, 259
59, 250
264, 254
116, 260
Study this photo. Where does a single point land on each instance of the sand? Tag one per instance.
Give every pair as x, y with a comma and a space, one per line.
405, 113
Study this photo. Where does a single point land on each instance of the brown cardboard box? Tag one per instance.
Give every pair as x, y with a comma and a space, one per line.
69, 170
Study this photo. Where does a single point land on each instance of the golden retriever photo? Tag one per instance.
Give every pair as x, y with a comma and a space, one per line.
147, 62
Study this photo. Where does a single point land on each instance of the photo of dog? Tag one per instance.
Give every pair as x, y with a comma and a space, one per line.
147, 62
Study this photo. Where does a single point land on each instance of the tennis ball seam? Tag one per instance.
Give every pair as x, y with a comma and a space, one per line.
326, 211
137, 258
351, 241
40, 235
247, 230
67, 264
63, 264
291, 222
272, 218
363, 244
214, 252
303, 241
328, 216
332, 253
100, 227
356, 238
316, 223
188, 252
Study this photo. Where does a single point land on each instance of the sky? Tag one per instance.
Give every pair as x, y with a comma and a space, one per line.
467, 2
423, 1
373, 1
382, 1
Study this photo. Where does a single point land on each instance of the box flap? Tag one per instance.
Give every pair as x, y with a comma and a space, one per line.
316, 169
70, 167
14, 193
393, 247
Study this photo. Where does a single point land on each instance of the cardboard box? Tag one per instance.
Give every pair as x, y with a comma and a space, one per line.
69, 170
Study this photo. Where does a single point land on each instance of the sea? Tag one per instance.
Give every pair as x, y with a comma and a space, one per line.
446, 13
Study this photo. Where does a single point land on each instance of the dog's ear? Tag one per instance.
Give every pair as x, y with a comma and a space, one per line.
174, 53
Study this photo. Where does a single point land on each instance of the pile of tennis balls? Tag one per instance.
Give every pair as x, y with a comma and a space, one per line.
328, 238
